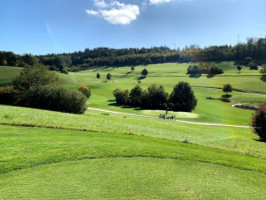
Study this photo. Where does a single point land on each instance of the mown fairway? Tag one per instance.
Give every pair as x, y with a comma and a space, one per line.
101, 155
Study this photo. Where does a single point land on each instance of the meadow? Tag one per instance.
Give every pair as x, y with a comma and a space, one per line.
133, 154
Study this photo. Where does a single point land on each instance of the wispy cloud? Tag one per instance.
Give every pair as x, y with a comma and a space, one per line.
115, 12
92, 12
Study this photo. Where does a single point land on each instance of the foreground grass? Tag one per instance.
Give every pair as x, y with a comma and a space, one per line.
119, 166
227, 138
133, 178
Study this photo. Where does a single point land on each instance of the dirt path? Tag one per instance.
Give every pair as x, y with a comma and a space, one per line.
181, 121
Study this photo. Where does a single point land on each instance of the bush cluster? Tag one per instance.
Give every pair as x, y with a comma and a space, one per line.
204, 68
182, 97
36, 87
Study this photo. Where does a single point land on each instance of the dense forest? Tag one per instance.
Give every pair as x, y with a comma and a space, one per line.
99, 57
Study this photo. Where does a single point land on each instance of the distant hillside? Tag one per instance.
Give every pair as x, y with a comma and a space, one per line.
100, 57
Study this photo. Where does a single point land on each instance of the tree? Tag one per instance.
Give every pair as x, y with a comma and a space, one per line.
132, 68
34, 77
259, 123
98, 75
144, 72
86, 90
156, 97
182, 98
252, 65
239, 68
108, 76
227, 88
247, 60
136, 96
121, 96
263, 70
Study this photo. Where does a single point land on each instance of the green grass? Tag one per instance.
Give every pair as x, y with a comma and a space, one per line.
119, 166
227, 138
7, 74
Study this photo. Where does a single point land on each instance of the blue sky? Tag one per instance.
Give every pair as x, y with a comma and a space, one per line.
55, 26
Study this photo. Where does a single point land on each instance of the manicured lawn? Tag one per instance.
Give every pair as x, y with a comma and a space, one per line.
64, 164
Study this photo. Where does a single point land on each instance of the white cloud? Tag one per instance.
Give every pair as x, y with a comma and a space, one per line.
159, 1
92, 12
117, 13
100, 3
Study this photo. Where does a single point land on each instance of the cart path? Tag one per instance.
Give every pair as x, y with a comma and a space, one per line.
181, 121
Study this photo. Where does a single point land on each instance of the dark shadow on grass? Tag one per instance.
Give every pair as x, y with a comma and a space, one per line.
259, 140
123, 106
226, 95
263, 78
141, 78
195, 75
210, 75
111, 100
128, 73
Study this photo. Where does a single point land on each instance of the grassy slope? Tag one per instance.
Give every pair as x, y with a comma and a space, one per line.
232, 139
7, 74
119, 166
170, 74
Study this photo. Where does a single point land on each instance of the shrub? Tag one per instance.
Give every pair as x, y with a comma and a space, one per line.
144, 72
259, 123
64, 71
86, 90
8, 95
182, 98
227, 88
98, 75
253, 65
132, 68
51, 98
108, 76
35, 77
263, 70
136, 96
121, 96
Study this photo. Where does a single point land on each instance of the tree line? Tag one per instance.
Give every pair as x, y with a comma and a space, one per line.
99, 57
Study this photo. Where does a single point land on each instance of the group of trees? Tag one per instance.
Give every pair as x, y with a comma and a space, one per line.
37, 87
205, 68
182, 97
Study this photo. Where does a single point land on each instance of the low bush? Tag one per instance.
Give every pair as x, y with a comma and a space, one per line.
259, 123
121, 96
85, 89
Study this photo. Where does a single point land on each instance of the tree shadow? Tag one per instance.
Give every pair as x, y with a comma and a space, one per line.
259, 140
195, 75
210, 75
141, 78
123, 106
128, 73
263, 78
226, 95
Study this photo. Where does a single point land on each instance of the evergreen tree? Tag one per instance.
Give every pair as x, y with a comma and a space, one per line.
182, 98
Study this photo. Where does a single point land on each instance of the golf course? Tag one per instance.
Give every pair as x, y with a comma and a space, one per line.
116, 151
